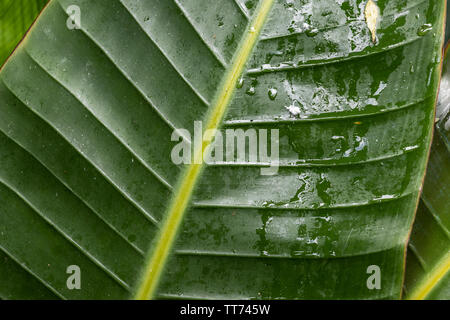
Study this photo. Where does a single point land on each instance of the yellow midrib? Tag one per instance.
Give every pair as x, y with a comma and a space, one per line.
157, 259
430, 282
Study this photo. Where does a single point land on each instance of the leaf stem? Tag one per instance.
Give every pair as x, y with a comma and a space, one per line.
168, 232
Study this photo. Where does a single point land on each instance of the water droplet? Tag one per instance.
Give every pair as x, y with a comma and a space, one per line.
385, 197
424, 29
240, 83
409, 148
146, 18
312, 32
273, 93
362, 143
265, 67
293, 110
251, 91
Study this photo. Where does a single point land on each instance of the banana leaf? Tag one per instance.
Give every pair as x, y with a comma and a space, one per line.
86, 120
16, 16
428, 261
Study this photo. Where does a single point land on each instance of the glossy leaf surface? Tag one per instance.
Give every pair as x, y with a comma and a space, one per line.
87, 115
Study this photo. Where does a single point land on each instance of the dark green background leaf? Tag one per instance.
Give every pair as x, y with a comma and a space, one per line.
16, 16
428, 264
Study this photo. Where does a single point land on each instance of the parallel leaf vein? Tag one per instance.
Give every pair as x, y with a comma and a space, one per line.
86, 157
65, 185
193, 88
67, 237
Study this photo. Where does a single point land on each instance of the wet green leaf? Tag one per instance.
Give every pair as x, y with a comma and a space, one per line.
86, 175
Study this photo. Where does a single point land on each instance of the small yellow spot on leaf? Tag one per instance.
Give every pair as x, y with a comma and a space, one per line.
372, 13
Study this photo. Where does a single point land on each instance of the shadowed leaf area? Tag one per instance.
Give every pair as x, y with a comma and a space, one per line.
86, 118
428, 264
